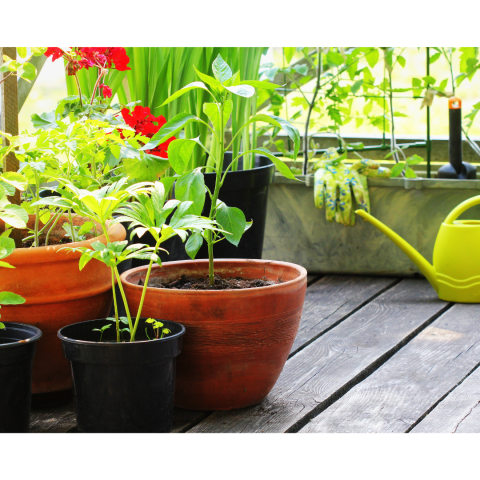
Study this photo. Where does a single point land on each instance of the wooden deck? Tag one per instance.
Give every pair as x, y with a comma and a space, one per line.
371, 355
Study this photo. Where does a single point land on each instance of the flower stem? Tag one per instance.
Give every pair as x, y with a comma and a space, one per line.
79, 90
100, 75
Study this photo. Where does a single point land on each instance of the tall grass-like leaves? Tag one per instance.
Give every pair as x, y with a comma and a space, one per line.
157, 72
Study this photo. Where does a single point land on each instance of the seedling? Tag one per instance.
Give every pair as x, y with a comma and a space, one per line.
101, 330
157, 328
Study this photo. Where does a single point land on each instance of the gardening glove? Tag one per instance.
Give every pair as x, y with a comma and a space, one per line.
335, 182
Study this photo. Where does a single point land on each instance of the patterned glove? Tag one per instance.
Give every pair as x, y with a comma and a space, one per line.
335, 182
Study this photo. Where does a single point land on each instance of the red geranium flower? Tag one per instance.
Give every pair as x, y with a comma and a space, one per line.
106, 90
87, 57
144, 123
54, 52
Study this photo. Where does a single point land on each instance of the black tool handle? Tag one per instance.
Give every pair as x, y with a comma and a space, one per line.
455, 131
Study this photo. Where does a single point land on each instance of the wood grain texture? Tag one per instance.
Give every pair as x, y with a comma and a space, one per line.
326, 369
331, 299
400, 393
53, 420
459, 412
62, 419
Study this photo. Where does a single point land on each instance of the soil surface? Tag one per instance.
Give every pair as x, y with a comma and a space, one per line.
51, 241
195, 283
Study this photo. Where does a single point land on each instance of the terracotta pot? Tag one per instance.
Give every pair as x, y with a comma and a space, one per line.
237, 341
57, 294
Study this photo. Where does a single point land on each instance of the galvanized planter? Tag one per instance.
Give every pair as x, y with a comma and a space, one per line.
414, 208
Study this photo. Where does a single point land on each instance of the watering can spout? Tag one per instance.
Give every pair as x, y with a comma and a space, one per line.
425, 267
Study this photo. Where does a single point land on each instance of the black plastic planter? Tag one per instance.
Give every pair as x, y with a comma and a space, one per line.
122, 387
17, 349
243, 189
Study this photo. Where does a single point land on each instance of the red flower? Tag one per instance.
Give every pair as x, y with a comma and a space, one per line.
54, 52
120, 58
106, 90
87, 57
147, 125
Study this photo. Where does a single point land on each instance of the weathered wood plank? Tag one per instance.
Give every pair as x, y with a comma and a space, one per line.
330, 366
183, 420
458, 412
62, 419
412, 382
331, 299
53, 420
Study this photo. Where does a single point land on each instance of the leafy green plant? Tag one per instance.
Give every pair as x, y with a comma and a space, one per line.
146, 206
24, 69
190, 185
7, 244
156, 72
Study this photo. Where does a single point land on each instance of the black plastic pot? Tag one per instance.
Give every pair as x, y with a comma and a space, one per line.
122, 387
17, 349
243, 189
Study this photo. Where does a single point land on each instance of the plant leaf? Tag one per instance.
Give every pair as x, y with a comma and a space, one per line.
231, 220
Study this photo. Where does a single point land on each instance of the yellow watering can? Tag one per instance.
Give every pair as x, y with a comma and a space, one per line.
455, 273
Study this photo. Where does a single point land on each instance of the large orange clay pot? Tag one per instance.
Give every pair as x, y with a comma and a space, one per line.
236, 341
57, 294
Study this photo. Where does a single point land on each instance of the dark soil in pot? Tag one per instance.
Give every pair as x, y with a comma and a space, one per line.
17, 349
243, 189
203, 283
122, 387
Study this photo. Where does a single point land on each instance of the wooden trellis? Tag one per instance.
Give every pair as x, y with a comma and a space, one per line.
9, 114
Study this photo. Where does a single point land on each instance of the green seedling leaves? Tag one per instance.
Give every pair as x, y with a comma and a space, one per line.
146, 169
286, 126
7, 246
184, 90
14, 215
179, 154
221, 69
45, 121
9, 298
171, 128
193, 244
213, 82
191, 187
212, 111
279, 164
231, 220
242, 90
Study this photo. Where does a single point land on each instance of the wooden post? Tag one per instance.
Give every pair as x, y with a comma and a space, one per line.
9, 123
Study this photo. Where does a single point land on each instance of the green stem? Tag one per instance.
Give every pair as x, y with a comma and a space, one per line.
211, 272
37, 208
144, 291
120, 287
52, 227
117, 322
74, 238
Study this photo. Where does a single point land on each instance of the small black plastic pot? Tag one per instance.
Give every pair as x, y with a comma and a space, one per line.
17, 349
122, 387
243, 189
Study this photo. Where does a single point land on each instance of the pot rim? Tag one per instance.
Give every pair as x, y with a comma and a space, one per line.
37, 334
261, 167
24, 255
63, 338
244, 291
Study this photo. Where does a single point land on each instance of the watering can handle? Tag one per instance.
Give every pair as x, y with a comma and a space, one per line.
459, 209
